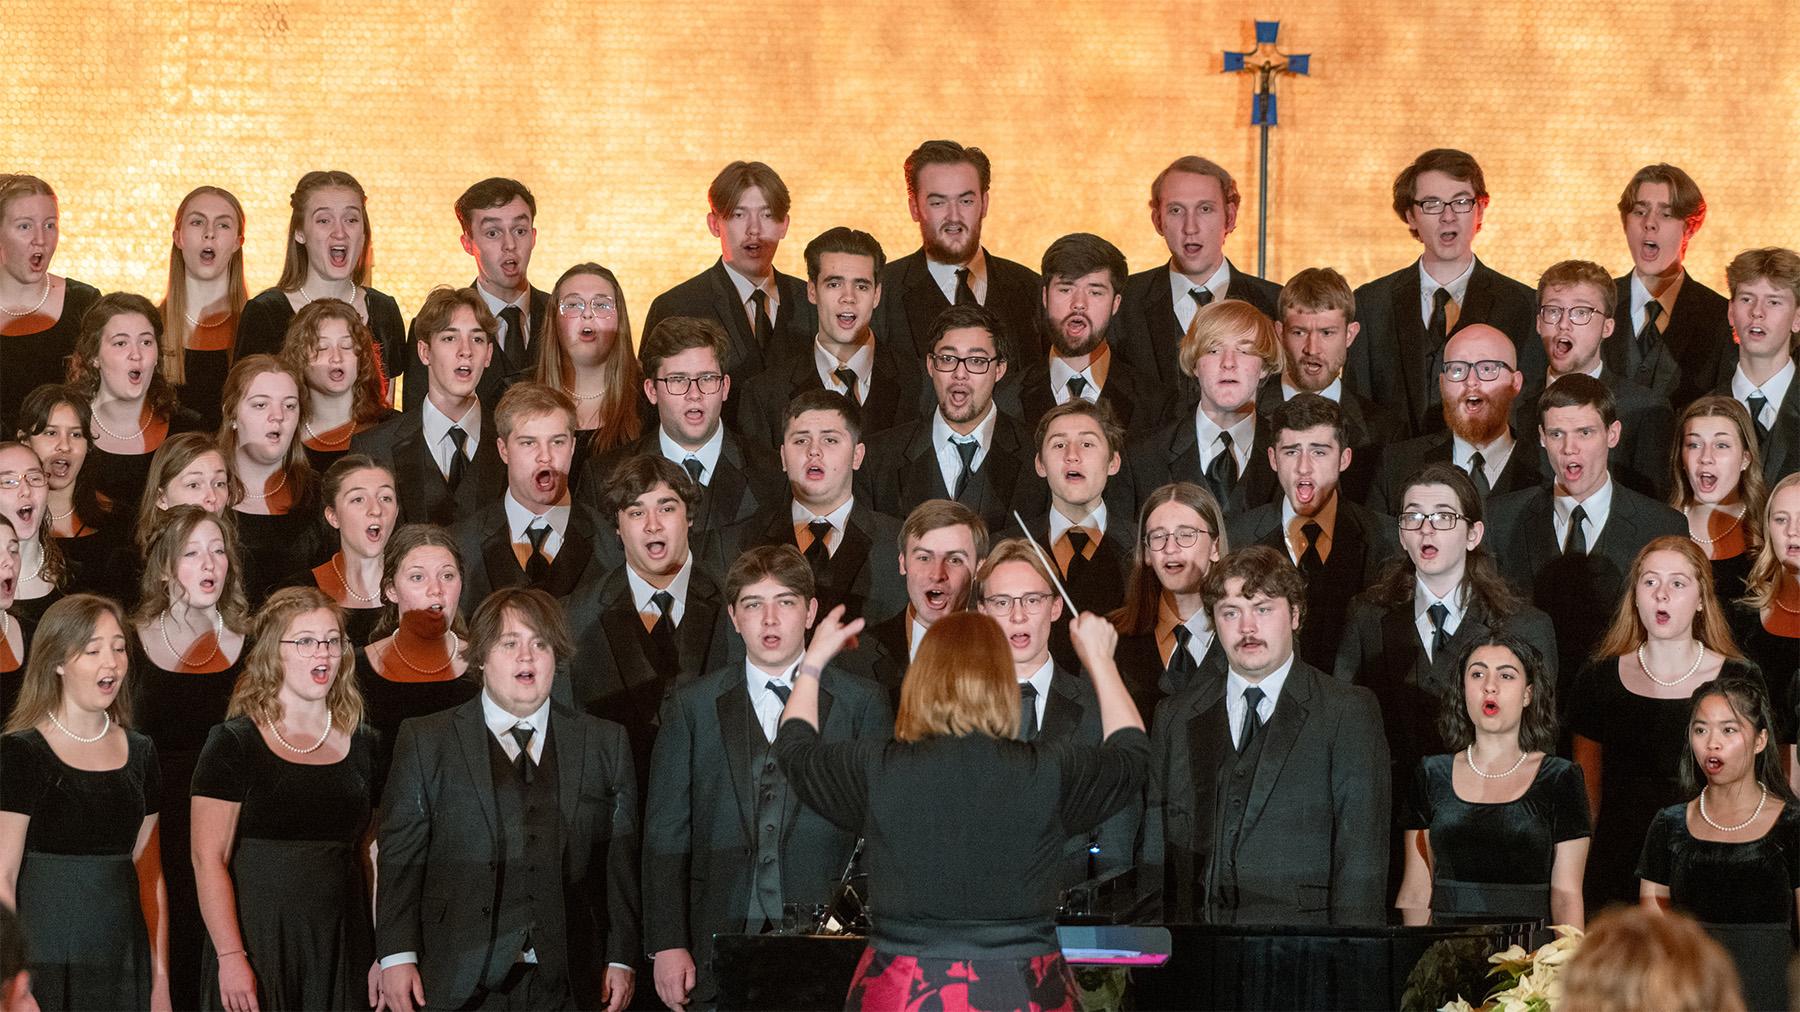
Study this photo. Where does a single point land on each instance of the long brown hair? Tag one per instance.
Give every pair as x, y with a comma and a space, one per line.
1143, 591
61, 634
174, 304
84, 364
1753, 490
55, 568
399, 546
257, 694
170, 459
293, 267
1765, 572
300, 476
1627, 633
960, 682
170, 534
34, 418
366, 404
1482, 583
620, 422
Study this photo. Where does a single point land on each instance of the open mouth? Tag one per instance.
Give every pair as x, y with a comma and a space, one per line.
208, 584
337, 375
1490, 708
1312, 366
59, 467
588, 333
1448, 237
321, 674
656, 549
1662, 616
1305, 491
1756, 331
465, 373
1074, 476
525, 676
373, 533
134, 376
1571, 471
339, 256
509, 266
846, 321
108, 684
752, 248
1708, 482
937, 600
1713, 764
957, 395
7, 585
545, 480
37, 261
771, 642
1561, 348
1192, 250
208, 255
25, 512
1019, 640
1174, 566
1650, 249
1077, 325
1251, 643
815, 472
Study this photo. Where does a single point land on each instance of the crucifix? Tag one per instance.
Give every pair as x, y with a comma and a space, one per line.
1265, 61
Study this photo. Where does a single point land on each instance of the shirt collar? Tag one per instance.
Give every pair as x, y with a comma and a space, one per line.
495, 303
945, 274
1095, 520
708, 452
1243, 433
1235, 684
518, 517
435, 425
1423, 599
1461, 449
1326, 518
839, 517
500, 723
1099, 364
1597, 506
745, 286
1459, 285
941, 432
1640, 294
757, 680
1180, 284
862, 363
641, 590
1334, 392
1040, 679
1775, 388
915, 631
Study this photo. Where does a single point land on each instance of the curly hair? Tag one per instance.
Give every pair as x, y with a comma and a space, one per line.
257, 694
84, 363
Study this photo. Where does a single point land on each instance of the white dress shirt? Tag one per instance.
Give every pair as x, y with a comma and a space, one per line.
745, 287
949, 460
915, 635
1040, 680
1235, 684
1598, 507
1180, 287
519, 519
641, 591
1243, 439
768, 705
1775, 389
1423, 599
1333, 392
1061, 373
1493, 456
708, 453
945, 276
1095, 520
436, 429
1641, 297
862, 363
495, 304
1428, 286
838, 517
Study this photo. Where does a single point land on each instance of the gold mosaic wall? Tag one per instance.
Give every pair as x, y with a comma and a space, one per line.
617, 115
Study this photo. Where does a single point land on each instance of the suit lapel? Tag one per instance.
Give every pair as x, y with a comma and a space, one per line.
1409, 330
572, 559
1283, 730
472, 735
1164, 326
1782, 436
624, 633
568, 737
849, 562
736, 718
1063, 711
1478, 298
921, 478
497, 555
416, 470
923, 300
729, 310
693, 636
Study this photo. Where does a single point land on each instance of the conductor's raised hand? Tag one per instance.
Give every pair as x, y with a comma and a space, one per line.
831, 637
1094, 638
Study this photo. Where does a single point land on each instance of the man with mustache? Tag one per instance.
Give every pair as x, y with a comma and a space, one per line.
947, 194
533, 535
1409, 314
1477, 385
1082, 277
1670, 332
1194, 206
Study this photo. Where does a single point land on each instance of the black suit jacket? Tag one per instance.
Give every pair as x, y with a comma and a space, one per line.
895, 389
441, 843
864, 571
1696, 350
1578, 593
1781, 457
1138, 402
746, 479
1370, 428
1361, 545
900, 471
1171, 452
1147, 333
1313, 845
590, 549
911, 300
1148, 678
425, 495
699, 831
710, 295
1646, 431
503, 369
1096, 584
1390, 361
1400, 461
1072, 712
615, 672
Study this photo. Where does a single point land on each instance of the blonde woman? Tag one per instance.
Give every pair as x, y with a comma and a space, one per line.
39, 311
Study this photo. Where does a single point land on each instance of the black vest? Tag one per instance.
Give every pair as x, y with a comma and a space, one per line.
766, 897
1235, 774
528, 884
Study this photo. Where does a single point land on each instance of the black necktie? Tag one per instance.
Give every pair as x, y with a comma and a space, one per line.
1078, 546
781, 691
459, 460
537, 564
1182, 665
662, 634
847, 376
1439, 637
1756, 403
694, 468
1222, 473
966, 448
523, 764
818, 553
1310, 559
1576, 542
514, 342
1436, 333
765, 328
965, 293
1076, 386
1253, 698
1028, 722
1478, 475
1646, 337
1201, 296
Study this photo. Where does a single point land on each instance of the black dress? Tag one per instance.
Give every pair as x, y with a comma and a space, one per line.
1494, 860
274, 545
386, 703
264, 325
78, 886
28, 361
1779, 658
120, 478
309, 947
1644, 741
177, 709
203, 388
27, 614
1742, 892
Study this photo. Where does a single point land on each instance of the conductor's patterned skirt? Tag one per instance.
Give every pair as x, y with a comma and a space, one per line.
885, 982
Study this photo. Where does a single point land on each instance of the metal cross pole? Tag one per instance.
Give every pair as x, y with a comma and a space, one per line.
1265, 61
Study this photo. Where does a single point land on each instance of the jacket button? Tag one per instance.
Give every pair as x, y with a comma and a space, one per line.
484, 910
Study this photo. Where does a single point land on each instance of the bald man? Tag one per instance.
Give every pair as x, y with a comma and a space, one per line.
1478, 383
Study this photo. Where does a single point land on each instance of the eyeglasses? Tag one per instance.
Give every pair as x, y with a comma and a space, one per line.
1435, 205
976, 364
1487, 370
35, 479
573, 306
1034, 603
708, 382
310, 644
1186, 537
1578, 315
1444, 521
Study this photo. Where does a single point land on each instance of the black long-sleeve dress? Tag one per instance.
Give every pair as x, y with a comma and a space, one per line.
28, 361
310, 947
78, 886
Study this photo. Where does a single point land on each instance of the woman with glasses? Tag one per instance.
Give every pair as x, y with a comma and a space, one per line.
1717, 478
1165, 636
58, 426
1629, 713
188, 636
586, 352
204, 298
281, 796
330, 345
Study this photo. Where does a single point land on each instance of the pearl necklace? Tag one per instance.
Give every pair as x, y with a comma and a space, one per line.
1736, 518
1732, 829
39, 571
162, 626
449, 659
306, 300
57, 518
371, 599
265, 495
107, 726
314, 747
115, 435
1470, 757
33, 310
1776, 597
1698, 657
586, 397
314, 436
197, 325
